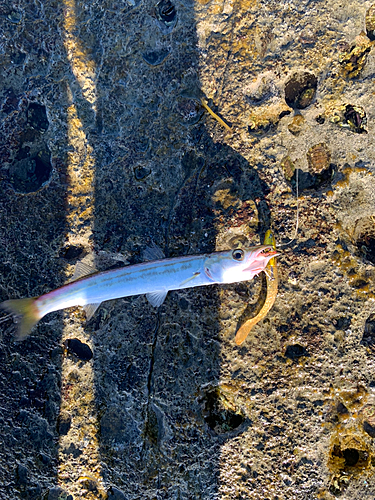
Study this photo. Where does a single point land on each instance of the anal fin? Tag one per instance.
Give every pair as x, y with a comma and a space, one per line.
156, 298
90, 310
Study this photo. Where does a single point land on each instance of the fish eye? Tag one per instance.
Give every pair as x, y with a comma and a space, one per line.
238, 254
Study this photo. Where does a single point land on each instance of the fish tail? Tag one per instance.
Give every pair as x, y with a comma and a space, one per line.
28, 312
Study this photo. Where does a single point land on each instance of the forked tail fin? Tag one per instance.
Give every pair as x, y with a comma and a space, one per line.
27, 311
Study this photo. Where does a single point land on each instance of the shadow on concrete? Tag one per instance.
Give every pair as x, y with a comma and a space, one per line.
157, 172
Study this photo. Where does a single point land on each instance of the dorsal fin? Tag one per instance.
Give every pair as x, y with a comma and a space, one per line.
153, 253
82, 270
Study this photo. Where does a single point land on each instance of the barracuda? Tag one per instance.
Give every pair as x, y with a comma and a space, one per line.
154, 278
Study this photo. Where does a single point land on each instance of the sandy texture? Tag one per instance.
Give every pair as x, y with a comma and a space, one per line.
105, 148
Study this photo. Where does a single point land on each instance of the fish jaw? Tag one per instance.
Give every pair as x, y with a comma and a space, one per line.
258, 260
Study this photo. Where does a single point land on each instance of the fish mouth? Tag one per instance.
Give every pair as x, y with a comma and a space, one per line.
258, 257
268, 253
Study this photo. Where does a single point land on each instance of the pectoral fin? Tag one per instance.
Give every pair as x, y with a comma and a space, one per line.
269, 272
156, 298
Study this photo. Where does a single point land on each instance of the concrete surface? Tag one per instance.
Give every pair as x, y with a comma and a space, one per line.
104, 149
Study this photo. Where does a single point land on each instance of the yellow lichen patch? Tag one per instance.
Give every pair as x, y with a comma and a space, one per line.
354, 59
346, 171
356, 276
243, 46
225, 198
245, 5
217, 9
266, 117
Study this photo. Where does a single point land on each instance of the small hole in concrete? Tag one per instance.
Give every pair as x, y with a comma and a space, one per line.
29, 174
37, 117
300, 90
218, 417
368, 338
295, 351
351, 456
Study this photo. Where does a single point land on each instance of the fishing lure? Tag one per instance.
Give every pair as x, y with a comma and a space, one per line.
272, 287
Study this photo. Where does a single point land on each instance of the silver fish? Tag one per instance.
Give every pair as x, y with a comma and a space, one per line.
154, 278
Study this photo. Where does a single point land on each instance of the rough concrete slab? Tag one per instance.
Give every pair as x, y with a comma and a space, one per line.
105, 148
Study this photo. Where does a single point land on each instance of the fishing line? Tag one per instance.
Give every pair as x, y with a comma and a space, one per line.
282, 245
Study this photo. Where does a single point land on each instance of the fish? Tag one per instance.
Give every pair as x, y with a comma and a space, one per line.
272, 288
154, 278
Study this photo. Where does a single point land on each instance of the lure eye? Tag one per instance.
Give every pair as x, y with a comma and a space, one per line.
238, 254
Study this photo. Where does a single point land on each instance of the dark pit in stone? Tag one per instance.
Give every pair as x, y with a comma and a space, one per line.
28, 175
300, 90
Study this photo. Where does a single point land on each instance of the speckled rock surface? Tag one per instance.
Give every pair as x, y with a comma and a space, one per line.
105, 148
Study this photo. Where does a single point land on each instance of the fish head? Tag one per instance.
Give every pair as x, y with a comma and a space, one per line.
240, 264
